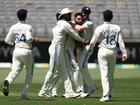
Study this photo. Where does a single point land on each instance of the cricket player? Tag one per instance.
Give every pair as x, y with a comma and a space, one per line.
108, 35
71, 64
57, 67
20, 35
54, 90
88, 85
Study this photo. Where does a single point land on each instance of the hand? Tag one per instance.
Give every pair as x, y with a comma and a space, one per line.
89, 49
86, 42
36, 39
124, 57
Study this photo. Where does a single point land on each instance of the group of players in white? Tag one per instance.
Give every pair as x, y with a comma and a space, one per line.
73, 43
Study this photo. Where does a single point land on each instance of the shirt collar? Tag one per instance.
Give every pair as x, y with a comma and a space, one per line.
21, 21
107, 22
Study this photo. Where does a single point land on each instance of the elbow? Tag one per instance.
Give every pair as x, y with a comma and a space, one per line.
9, 42
6, 41
30, 40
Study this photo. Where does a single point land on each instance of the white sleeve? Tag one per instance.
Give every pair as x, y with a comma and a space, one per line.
121, 44
94, 38
80, 27
29, 37
10, 38
88, 24
89, 29
68, 28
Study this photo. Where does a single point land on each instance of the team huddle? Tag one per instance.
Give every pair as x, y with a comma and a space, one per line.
73, 43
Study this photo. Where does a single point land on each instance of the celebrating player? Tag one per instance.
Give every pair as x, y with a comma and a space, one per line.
108, 35
88, 84
70, 60
57, 67
69, 49
20, 35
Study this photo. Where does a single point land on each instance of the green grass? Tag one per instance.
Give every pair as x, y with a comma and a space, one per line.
126, 90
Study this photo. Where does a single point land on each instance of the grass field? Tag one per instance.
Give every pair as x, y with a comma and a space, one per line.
126, 90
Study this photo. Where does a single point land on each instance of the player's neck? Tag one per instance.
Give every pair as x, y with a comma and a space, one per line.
21, 21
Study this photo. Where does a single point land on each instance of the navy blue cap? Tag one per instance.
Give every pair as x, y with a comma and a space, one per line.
86, 10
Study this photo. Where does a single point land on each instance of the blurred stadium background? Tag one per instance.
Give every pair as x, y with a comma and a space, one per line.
42, 17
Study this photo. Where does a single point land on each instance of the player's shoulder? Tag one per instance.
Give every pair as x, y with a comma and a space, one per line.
13, 26
61, 22
64, 24
116, 26
27, 25
24, 24
89, 22
100, 27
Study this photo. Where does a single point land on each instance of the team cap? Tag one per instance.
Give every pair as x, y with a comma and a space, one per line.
65, 11
86, 10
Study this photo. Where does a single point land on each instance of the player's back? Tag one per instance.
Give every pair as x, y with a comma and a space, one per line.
59, 32
108, 35
20, 34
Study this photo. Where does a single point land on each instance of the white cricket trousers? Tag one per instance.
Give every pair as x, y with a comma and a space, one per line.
71, 66
85, 81
107, 61
56, 71
21, 57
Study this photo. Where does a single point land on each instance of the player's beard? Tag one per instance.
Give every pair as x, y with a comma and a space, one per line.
79, 23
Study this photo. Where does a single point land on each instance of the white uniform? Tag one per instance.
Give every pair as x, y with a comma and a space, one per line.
108, 35
20, 35
57, 67
70, 61
89, 84
71, 64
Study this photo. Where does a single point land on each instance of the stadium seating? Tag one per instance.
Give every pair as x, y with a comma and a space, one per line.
42, 14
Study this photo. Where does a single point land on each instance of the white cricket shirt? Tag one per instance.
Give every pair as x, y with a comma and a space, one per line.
88, 32
108, 35
20, 35
61, 30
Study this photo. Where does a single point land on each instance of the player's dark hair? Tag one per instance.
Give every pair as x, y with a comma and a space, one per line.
22, 14
78, 14
57, 15
108, 15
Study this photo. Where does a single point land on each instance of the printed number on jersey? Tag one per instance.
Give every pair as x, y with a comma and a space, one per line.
19, 38
111, 39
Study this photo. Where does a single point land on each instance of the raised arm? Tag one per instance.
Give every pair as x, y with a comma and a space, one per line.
71, 32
